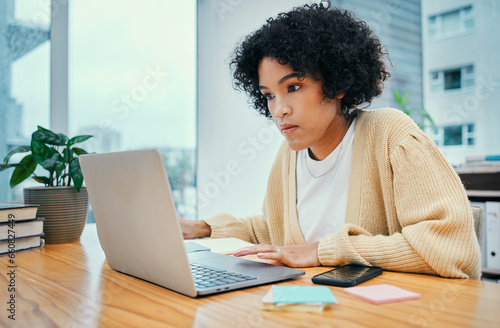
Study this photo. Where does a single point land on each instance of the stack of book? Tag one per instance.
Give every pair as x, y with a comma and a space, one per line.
481, 178
20, 229
490, 244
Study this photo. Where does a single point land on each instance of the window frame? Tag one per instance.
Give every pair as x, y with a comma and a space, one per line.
437, 80
438, 136
59, 33
465, 16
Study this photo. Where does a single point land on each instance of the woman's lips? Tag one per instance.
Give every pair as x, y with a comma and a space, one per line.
288, 128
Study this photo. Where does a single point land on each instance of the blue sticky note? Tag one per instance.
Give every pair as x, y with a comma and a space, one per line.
302, 294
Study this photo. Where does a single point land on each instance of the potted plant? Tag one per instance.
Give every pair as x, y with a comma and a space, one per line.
403, 102
63, 200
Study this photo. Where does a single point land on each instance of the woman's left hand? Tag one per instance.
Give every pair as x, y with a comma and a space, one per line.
297, 256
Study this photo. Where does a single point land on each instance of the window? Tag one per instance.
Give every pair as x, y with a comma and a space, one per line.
467, 76
454, 135
24, 64
452, 79
436, 81
451, 23
132, 83
470, 135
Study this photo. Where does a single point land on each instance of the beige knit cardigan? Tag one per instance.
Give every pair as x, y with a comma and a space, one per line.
406, 209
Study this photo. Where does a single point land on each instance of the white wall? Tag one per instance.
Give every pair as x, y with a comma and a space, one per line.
236, 146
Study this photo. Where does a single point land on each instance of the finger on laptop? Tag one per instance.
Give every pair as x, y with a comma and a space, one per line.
252, 250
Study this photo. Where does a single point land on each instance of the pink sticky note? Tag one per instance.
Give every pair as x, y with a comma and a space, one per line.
379, 294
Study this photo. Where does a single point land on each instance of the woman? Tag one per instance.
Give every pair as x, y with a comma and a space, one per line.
349, 185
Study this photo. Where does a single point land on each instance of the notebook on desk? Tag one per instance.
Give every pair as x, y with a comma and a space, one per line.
140, 234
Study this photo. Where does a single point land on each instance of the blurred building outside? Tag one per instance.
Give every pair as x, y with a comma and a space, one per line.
461, 76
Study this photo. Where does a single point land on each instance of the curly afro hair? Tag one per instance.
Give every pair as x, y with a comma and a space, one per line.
330, 45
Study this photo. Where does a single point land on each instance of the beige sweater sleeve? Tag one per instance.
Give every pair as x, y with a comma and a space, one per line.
436, 226
252, 229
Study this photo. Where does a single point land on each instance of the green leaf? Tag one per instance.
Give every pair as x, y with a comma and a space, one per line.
48, 137
60, 168
78, 151
429, 118
76, 174
23, 171
67, 155
402, 101
426, 116
22, 149
406, 96
42, 128
63, 136
397, 96
78, 139
43, 180
53, 163
40, 151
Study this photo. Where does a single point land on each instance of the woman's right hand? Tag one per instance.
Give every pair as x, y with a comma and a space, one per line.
194, 229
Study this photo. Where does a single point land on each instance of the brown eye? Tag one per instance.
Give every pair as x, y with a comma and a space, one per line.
268, 96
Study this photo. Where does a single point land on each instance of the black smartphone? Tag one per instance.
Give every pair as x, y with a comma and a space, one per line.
347, 275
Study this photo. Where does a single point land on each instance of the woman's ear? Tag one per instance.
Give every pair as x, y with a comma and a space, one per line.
340, 95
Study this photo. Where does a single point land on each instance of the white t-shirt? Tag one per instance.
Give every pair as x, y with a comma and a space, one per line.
322, 201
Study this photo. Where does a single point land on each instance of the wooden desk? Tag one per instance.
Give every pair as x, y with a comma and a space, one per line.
70, 285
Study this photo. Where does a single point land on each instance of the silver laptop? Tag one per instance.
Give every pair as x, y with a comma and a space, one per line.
140, 234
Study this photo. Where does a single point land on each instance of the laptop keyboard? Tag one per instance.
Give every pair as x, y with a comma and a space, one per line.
206, 277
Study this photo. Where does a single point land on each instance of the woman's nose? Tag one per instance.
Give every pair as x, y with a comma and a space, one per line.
282, 108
